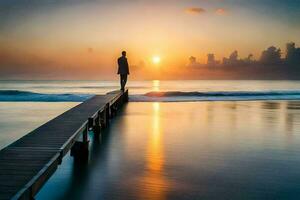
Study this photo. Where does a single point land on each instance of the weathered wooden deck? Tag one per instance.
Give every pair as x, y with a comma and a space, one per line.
28, 163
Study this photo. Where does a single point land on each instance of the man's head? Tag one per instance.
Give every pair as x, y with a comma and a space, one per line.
123, 53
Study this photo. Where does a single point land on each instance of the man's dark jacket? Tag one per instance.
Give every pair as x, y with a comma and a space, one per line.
123, 66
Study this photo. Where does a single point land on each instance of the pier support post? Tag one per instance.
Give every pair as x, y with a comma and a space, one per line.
113, 110
125, 96
80, 149
85, 135
102, 119
97, 130
97, 126
90, 123
107, 115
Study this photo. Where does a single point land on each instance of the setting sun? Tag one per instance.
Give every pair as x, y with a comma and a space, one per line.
156, 59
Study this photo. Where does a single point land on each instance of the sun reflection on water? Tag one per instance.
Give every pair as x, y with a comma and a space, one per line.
156, 85
154, 181
155, 158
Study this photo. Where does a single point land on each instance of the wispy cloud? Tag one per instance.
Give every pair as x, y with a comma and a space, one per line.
199, 11
195, 10
221, 11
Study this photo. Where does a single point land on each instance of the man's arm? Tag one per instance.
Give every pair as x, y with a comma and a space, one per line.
118, 65
127, 66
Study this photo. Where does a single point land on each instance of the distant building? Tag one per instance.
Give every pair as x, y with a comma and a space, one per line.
232, 60
292, 54
271, 56
211, 59
193, 62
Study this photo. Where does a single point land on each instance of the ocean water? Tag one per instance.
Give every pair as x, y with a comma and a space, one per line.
173, 140
150, 91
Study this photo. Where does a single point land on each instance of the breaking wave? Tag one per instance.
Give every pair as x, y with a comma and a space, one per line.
17, 95
170, 96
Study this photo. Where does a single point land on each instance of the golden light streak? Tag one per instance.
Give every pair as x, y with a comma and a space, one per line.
156, 85
154, 180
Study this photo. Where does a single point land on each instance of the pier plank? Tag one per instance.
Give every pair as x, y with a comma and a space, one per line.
27, 163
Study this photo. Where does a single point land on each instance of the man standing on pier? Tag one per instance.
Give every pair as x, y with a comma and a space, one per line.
123, 69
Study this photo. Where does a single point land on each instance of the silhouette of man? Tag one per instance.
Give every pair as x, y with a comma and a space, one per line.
123, 69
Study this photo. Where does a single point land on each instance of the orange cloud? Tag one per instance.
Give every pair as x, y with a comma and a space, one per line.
194, 10
221, 11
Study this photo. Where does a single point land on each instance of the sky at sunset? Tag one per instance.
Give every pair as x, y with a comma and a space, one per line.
81, 38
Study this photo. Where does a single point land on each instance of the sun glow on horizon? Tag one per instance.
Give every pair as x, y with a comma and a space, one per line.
156, 59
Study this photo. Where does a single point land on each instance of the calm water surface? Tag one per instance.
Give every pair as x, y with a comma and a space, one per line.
154, 150
19, 118
204, 150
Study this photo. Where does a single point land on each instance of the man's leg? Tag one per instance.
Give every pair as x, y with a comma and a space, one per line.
125, 80
121, 81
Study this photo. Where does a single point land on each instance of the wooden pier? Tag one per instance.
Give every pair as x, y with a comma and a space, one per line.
29, 162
